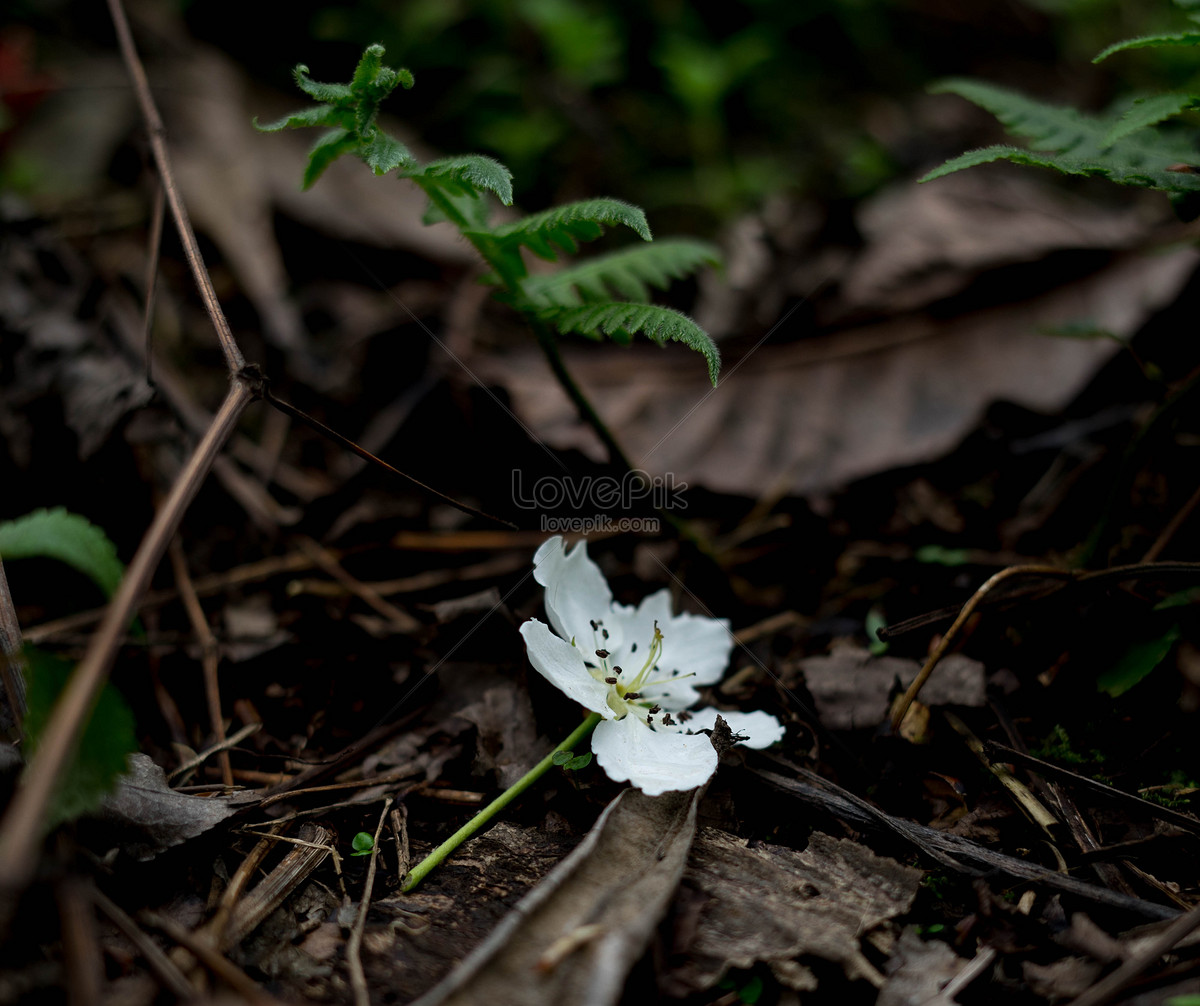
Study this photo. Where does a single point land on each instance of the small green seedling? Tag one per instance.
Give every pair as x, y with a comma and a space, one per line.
571, 762
363, 844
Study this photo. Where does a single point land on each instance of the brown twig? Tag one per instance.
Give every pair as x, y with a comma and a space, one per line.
1111, 984
206, 586
401, 621
81, 949
156, 133
902, 705
358, 980
170, 975
152, 253
210, 655
220, 966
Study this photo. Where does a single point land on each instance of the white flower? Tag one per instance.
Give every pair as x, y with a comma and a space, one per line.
638, 668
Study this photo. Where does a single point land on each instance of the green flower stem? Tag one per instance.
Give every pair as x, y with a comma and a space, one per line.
430, 862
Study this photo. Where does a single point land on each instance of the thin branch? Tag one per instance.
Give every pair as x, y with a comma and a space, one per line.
902, 704
234, 360
210, 656
358, 979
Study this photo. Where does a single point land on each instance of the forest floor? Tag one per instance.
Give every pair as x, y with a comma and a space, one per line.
963, 411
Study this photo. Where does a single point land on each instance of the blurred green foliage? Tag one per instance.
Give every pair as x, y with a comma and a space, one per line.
703, 111
694, 113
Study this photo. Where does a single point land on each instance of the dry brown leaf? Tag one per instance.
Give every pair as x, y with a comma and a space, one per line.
918, 972
851, 688
574, 938
925, 242
811, 416
770, 903
148, 817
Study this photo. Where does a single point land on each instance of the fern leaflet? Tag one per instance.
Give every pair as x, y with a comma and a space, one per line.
563, 227
628, 273
621, 322
1075, 143
1149, 111
466, 175
1184, 38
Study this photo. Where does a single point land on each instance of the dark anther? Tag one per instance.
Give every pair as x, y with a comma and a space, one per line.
656, 709
667, 721
633, 648
610, 681
602, 654
684, 716
633, 695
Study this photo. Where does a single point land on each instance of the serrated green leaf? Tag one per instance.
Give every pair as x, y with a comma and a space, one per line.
1138, 661
468, 174
67, 537
622, 321
563, 227
1149, 111
333, 93
325, 151
1071, 142
628, 273
107, 740
1185, 38
384, 153
317, 115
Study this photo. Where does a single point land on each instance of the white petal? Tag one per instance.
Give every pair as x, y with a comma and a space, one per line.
696, 645
655, 761
637, 627
760, 729
576, 593
561, 664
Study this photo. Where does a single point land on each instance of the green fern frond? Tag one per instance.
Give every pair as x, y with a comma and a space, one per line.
466, 175
621, 322
317, 115
383, 153
1149, 111
1183, 38
334, 94
325, 151
628, 273
351, 109
563, 227
1075, 143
